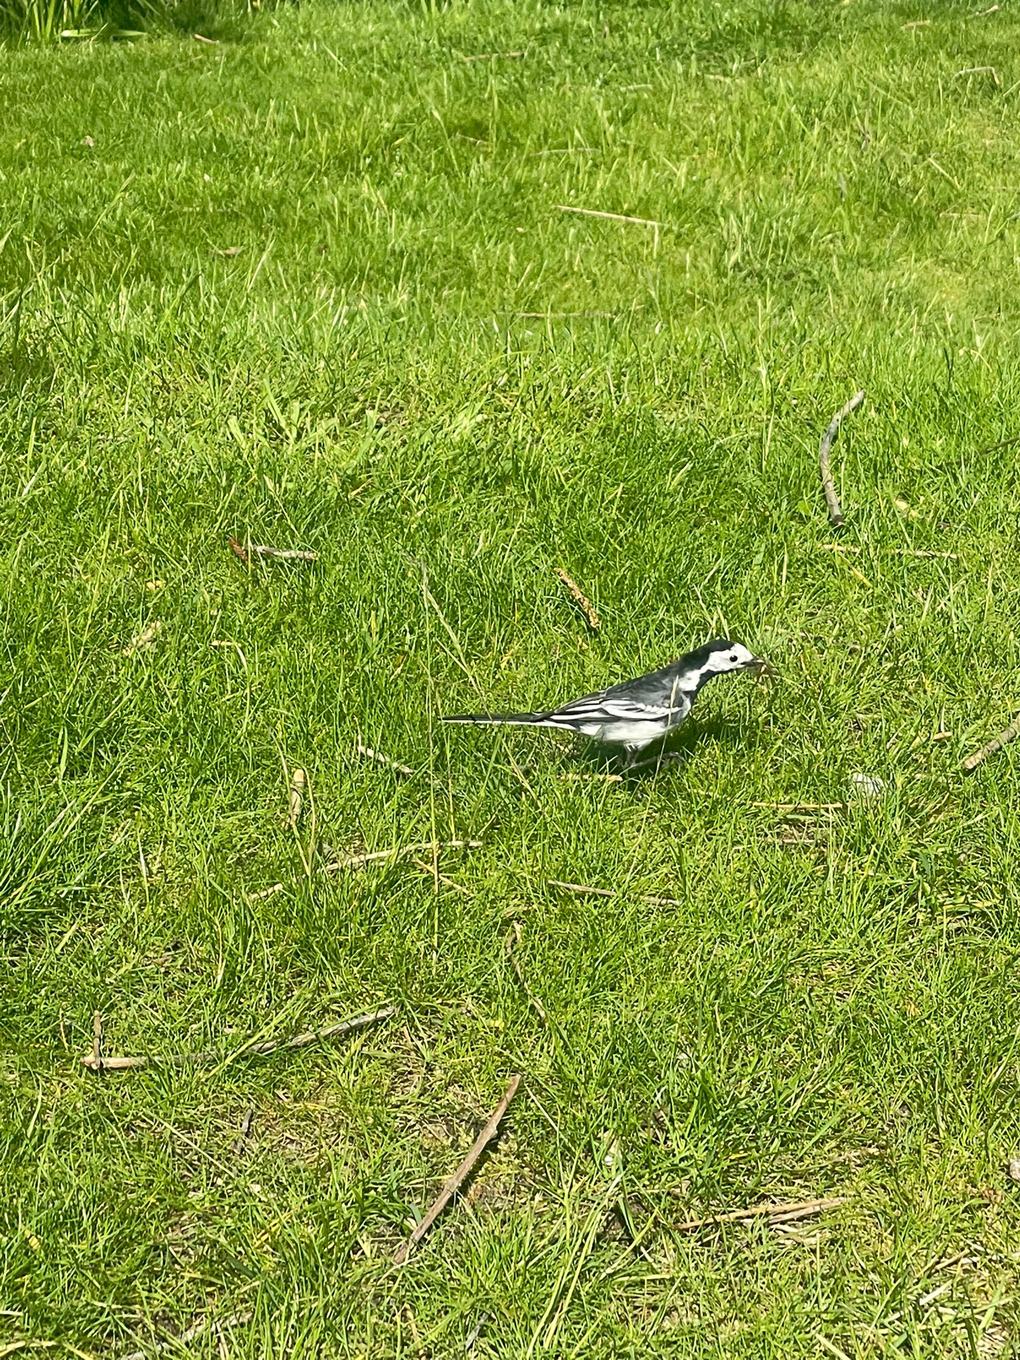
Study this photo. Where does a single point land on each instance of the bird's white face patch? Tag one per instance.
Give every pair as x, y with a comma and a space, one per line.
735, 657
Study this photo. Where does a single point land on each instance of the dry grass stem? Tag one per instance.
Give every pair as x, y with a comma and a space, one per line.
237, 1147
1007, 735
493, 56
513, 939
587, 891
378, 756
899, 552
284, 554
433, 873
801, 807
263, 893
610, 216
374, 857
824, 450
395, 852
296, 803
581, 600
776, 1213
977, 71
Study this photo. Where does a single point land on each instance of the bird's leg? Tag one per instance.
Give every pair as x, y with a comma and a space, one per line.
660, 758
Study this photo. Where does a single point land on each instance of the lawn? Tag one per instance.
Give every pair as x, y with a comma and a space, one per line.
321, 282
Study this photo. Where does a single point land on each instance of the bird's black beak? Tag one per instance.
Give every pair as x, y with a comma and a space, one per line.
758, 666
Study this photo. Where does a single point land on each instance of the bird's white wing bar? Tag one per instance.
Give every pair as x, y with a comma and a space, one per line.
599, 709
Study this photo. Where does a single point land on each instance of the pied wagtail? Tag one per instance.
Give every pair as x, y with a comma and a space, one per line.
635, 713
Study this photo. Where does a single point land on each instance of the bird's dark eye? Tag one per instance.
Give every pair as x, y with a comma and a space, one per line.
733, 658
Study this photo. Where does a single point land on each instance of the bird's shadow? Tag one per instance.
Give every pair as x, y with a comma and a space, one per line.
675, 750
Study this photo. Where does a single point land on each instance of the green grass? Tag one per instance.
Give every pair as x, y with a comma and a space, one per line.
311, 287
78, 21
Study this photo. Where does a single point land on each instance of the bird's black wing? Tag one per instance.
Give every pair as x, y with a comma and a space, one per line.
654, 695
657, 690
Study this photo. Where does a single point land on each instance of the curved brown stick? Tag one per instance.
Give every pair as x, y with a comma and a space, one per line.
831, 499
98, 1062
580, 599
454, 1182
996, 744
777, 1213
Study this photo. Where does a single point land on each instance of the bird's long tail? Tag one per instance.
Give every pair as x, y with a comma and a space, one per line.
508, 719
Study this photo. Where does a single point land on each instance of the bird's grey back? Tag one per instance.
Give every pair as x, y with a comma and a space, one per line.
658, 685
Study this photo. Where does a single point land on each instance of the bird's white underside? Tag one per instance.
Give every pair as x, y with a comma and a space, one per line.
636, 734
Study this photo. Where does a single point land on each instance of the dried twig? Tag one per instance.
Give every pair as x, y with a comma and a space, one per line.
454, 1182
298, 784
358, 861
97, 1042
587, 891
801, 807
263, 893
1003, 444
979, 70
238, 549
237, 1320
200, 37
472, 1337
776, 1213
268, 1046
1007, 735
284, 554
582, 601
237, 1147
311, 1036
961, 1259
824, 449
610, 216
432, 872
122, 1064
145, 640
412, 1327
927, 1299
369, 754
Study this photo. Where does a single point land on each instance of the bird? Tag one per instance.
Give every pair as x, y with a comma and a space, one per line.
635, 713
